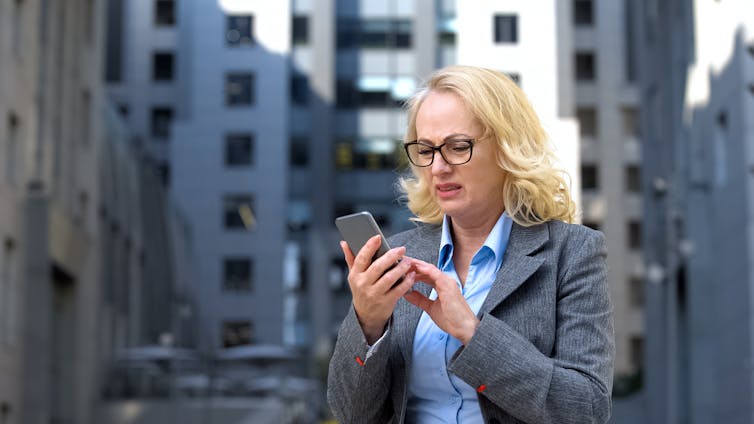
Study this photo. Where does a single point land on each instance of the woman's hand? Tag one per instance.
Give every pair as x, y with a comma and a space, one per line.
449, 311
374, 296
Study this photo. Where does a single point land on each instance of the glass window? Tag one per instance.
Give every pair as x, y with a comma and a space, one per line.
589, 177
634, 235
374, 91
164, 12
370, 153
636, 292
587, 117
162, 117
239, 212
299, 89
12, 150
630, 121
585, 66
299, 153
239, 89
583, 12
239, 149
637, 351
162, 66
593, 225
237, 274
237, 333
506, 28
374, 33
300, 30
239, 30
633, 179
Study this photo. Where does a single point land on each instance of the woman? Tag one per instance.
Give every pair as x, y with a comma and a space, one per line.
503, 315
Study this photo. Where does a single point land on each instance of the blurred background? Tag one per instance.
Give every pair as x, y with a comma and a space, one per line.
170, 171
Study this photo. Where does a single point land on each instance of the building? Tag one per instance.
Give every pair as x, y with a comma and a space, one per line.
696, 77
76, 263
604, 71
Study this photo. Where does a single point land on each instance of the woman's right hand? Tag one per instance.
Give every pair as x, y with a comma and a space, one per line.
374, 296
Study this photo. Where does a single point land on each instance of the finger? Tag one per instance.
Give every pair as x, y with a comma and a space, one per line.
418, 299
389, 278
432, 275
347, 254
364, 257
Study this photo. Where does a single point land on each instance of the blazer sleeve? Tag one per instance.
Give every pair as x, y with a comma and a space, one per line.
574, 384
357, 388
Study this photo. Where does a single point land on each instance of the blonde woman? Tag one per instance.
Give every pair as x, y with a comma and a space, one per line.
503, 315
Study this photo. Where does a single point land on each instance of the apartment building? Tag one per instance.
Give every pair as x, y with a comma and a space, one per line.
603, 61
696, 71
74, 261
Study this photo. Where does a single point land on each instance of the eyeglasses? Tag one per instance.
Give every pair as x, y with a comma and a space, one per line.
453, 152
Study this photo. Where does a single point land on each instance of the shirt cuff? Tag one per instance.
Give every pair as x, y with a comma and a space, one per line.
373, 348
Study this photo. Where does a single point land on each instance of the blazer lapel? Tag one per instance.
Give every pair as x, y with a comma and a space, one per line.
518, 265
425, 247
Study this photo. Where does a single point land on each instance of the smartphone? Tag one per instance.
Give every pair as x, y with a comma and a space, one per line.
357, 228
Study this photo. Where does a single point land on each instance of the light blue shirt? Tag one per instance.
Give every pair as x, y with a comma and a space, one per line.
434, 396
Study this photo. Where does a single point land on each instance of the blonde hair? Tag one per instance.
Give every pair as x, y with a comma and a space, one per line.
534, 191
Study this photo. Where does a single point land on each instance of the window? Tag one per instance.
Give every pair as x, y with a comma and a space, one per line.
85, 120
375, 91
515, 77
299, 151
239, 212
633, 179
162, 66
634, 235
371, 153
240, 30
338, 275
637, 351
636, 292
585, 66
583, 12
587, 117
17, 22
237, 274
237, 333
374, 33
163, 171
506, 28
593, 225
299, 89
8, 310
11, 153
161, 120
164, 12
239, 149
124, 110
300, 30
239, 89
589, 177
630, 121
629, 40
299, 215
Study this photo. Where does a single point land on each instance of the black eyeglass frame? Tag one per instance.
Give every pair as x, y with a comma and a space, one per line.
438, 149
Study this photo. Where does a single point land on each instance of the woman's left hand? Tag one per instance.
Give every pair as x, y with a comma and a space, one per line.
449, 311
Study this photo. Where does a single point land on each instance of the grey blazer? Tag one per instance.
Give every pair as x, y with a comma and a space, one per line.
543, 352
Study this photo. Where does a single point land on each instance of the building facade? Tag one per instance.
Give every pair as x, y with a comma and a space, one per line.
73, 267
697, 91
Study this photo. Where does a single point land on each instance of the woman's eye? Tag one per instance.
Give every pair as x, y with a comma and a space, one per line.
424, 151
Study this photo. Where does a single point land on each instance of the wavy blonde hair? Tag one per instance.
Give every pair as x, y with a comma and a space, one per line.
534, 191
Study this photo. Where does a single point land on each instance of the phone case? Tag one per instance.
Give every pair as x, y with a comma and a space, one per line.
356, 229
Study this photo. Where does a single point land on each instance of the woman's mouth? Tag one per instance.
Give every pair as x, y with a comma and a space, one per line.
445, 191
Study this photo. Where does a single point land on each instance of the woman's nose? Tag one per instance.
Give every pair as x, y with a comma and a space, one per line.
439, 165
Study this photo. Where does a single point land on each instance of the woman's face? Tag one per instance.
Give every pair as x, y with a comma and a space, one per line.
471, 192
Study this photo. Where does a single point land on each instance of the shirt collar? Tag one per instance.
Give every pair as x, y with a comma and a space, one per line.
497, 241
